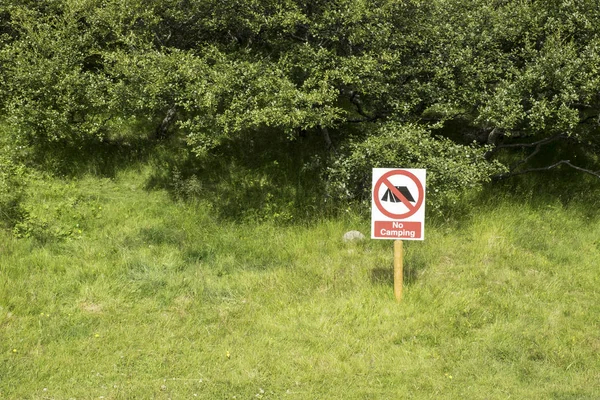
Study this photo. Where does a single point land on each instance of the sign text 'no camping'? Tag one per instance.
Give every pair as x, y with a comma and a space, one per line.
398, 204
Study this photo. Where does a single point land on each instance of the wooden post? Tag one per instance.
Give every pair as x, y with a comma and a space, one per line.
398, 270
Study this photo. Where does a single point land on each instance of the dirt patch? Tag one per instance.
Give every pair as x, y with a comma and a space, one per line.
91, 308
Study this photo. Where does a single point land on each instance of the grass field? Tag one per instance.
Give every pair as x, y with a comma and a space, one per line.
120, 292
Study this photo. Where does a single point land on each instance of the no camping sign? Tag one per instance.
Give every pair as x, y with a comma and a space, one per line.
398, 204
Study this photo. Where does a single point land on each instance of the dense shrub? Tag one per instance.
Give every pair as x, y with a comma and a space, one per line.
514, 75
451, 169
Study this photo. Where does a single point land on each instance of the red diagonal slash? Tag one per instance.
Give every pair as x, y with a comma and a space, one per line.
396, 192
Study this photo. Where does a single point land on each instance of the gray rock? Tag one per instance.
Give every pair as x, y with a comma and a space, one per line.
353, 236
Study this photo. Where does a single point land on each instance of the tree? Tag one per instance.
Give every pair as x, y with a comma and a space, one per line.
383, 82
525, 76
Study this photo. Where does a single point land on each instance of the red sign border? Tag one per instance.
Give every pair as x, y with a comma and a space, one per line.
410, 212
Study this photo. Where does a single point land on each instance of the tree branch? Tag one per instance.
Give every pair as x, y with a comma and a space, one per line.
595, 117
355, 99
444, 118
549, 167
358, 121
327, 138
161, 130
537, 146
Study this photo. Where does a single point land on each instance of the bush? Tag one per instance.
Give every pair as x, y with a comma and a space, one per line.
452, 169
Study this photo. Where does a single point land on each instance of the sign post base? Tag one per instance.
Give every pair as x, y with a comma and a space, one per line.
398, 269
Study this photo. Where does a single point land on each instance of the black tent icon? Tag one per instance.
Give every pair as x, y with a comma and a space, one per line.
392, 198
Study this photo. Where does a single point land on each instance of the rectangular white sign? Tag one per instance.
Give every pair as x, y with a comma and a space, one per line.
398, 204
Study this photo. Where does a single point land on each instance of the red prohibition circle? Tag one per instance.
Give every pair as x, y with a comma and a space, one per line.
384, 179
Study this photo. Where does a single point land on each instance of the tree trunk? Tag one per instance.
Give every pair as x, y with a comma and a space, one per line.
327, 138
161, 130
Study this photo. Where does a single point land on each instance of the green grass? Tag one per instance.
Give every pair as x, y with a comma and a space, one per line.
123, 293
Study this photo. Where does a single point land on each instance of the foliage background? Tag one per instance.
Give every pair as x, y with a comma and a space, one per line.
427, 84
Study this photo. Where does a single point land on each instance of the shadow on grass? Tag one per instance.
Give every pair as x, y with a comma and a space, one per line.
385, 276
565, 188
103, 158
257, 176
563, 184
561, 187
